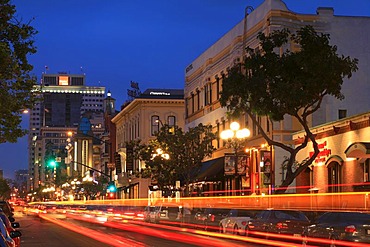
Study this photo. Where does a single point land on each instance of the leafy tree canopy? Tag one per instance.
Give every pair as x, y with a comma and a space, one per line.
275, 82
16, 83
185, 151
4, 190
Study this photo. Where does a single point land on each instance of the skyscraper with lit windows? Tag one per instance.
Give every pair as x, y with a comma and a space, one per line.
64, 99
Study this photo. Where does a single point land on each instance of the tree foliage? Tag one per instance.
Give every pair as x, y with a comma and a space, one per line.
16, 83
4, 190
274, 82
185, 151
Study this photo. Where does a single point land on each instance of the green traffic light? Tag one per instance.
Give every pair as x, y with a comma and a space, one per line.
112, 187
52, 163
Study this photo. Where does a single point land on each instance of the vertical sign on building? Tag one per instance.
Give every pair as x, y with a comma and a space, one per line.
129, 158
117, 161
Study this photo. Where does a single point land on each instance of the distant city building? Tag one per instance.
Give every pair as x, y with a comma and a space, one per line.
64, 100
203, 86
140, 119
20, 182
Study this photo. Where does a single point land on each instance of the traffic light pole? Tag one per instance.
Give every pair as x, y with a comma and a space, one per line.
95, 170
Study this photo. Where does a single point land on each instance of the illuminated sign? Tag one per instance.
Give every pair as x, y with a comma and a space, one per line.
63, 80
323, 154
160, 93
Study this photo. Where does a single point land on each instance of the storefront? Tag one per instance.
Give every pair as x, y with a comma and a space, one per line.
343, 162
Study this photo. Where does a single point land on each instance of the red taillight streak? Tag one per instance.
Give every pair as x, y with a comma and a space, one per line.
244, 223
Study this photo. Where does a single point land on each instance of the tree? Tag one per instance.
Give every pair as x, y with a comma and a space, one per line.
95, 188
16, 84
275, 85
4, 190
157, 166
185, 151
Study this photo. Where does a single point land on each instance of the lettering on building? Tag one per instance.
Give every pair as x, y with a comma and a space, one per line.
160, 93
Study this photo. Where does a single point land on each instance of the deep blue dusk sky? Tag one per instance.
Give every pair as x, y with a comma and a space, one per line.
150, 42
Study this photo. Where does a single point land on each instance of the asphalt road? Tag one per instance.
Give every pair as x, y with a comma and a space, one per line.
38, 232
41, 233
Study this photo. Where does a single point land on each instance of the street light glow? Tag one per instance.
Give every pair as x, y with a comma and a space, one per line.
234, 126
243, 133
227, 134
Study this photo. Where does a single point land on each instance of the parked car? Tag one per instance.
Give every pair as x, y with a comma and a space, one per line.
236, 221
7, 208
167, 212
346, 226
149, 212
9, 236
170, 213
290, 222
10, 225
209, 218
3, 242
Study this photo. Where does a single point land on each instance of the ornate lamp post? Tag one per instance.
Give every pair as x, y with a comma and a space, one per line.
235, 138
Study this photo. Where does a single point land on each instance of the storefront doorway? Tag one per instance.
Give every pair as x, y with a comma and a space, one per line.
334, 177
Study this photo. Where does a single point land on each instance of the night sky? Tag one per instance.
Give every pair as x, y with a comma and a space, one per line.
117, 41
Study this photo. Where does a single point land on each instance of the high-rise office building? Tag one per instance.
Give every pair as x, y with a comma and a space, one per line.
64, 98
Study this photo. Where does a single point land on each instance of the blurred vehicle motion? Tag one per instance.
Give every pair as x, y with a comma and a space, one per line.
347, 226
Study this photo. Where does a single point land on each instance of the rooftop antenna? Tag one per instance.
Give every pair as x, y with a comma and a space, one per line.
46, 68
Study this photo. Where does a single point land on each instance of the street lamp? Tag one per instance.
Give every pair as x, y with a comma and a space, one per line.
235, 138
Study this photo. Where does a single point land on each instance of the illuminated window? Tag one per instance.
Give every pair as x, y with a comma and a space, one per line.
154, 125
63, 81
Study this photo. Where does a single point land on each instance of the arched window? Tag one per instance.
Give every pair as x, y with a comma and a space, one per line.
154, 125
171, 120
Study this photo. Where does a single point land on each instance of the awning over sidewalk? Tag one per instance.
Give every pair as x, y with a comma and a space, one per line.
211, 170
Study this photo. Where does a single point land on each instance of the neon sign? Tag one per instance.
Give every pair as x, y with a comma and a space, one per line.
323, 154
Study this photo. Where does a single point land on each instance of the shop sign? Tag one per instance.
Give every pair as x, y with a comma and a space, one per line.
323, 154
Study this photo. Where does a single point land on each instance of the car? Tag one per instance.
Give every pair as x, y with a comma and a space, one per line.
9, 235
166, 212
149, 212
278, 221
3, 242
10, 225
209, 218
236, 221
346, 226
7, 208
169, 212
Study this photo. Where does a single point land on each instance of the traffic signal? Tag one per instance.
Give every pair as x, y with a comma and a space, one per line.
111, 187
51, 163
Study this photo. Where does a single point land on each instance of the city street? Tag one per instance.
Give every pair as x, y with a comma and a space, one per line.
40, 232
